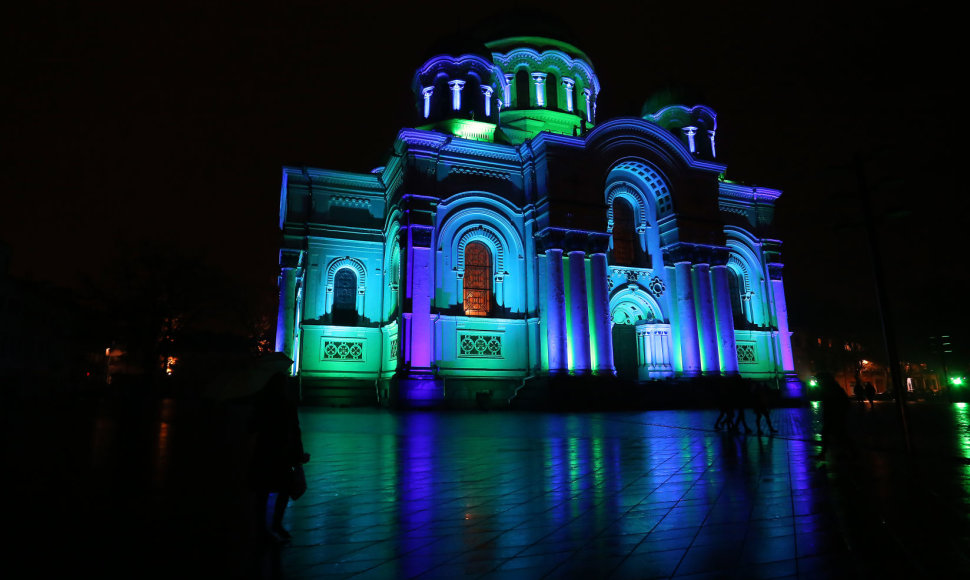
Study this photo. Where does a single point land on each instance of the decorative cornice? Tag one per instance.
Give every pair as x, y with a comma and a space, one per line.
750, 193
466, 170
327, 178
509, 60
457, 148
695, 254
572, 241
349, 201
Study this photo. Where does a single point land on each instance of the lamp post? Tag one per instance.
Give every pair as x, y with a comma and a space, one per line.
882, 303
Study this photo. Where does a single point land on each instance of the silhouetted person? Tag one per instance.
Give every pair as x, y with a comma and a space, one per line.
859, 391
740, 398
761, 405
835, 405
722, 397
870, 393
277, 450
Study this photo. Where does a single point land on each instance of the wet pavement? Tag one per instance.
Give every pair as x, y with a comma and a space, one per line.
155, 488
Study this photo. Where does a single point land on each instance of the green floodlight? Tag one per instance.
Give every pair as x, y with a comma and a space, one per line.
812, 382
957, 381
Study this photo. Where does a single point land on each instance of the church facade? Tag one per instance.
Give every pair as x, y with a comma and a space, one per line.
513, 236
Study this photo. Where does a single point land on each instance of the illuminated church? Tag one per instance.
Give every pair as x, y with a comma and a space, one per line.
513, 238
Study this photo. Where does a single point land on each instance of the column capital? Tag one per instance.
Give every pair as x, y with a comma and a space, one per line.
487, 90
291, 259
568, 82
426, 91
549, 239
775, 270
538, 77
419, 236
695, 254
456, 85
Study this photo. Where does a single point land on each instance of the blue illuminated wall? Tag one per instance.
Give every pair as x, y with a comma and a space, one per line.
376, 296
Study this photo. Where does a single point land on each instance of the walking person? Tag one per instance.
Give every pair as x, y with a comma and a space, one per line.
740, 398
859, 391
722, 395
761, 405
870, 393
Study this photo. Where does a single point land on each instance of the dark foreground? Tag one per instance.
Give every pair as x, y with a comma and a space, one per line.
155, 488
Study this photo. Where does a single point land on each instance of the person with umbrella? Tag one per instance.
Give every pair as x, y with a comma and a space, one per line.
277, 456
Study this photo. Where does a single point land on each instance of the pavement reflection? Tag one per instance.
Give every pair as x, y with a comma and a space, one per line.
153, 485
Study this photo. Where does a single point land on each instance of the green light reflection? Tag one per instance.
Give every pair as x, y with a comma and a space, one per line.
963, 433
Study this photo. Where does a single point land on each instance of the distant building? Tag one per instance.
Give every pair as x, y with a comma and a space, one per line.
513, 236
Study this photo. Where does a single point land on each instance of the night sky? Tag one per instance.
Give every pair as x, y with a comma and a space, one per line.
124, 123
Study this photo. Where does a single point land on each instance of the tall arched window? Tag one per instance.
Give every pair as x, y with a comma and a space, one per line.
477, 281
624, 232
523, 88
737, 308
345, 297
552, 92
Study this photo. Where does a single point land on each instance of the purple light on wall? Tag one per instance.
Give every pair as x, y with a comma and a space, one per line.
416, 506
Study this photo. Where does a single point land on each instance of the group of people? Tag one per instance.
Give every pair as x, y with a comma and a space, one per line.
736, 394
864, 393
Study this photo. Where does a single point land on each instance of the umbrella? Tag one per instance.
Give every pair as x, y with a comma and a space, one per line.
248, 378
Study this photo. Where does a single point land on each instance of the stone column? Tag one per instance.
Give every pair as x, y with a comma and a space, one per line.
420, 281
725, 320
539, 80
579, 313
456, 87
689, 349
286, 318
646, 348
487, 92
781, 314
556, 308
706, 328
507, 89
569, 84
291, 266
601, 315
426, 93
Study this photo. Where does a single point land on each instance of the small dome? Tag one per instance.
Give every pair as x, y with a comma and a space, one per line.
695, 125
668, 96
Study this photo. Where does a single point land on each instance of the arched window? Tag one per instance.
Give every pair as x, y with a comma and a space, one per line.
737, 308
345, 297
552, 92
624, 232
477, 281
523, 86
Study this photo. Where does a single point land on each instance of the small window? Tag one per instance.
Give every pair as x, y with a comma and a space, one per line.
477, 281
624, 233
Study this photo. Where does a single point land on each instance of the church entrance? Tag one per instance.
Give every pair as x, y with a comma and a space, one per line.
625, 351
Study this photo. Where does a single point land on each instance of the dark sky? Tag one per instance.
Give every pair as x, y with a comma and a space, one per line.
125, 122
